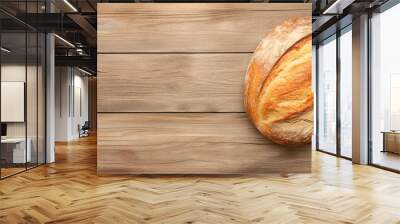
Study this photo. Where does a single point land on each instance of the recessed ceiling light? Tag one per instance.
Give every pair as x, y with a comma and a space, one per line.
338, 6
70, 5
5, 50
64, 40
84, 71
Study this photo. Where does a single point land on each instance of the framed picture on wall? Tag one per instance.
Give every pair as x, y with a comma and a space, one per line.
12, 101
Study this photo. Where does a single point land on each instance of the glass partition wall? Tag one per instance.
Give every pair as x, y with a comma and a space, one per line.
345, 92
13, 86
327, 95
385, 89
334, 105
22, 87
334, 87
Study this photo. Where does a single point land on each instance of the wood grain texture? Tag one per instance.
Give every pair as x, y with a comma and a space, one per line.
171, 82
163, 72
224, 27
70, 191
190, 143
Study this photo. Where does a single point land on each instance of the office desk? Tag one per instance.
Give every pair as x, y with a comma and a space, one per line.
13, 150
391, 141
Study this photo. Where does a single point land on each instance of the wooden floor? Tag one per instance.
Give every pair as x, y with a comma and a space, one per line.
387, 159
5, 172
69, 191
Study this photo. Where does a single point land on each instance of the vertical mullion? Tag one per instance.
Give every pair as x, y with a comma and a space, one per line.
37, 89
338, 74
26, 86
73, 93
317, 97
0, 93
69, 91
45, 88
369, 90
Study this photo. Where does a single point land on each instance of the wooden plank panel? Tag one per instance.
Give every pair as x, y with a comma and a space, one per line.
190, 143
171, 82
179, 8
189, 27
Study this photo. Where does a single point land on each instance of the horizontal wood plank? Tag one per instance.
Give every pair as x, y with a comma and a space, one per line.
190, 143
171, 82
189, 27
174, 8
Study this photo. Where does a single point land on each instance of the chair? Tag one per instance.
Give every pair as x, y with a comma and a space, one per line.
84, 130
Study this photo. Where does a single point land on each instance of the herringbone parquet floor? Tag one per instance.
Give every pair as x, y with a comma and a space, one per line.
69, 191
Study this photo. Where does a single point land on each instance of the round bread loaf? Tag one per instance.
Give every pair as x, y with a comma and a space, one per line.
278, 96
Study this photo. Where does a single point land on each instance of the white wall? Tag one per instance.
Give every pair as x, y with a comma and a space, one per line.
62, 82
70, 83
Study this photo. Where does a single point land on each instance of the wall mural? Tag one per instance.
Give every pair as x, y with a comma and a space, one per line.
278, 95
173, 103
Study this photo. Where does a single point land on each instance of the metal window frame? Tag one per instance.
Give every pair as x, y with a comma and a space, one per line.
339, 32
381, 9
44, 74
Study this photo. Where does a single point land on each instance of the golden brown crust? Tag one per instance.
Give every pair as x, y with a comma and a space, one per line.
278, 95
